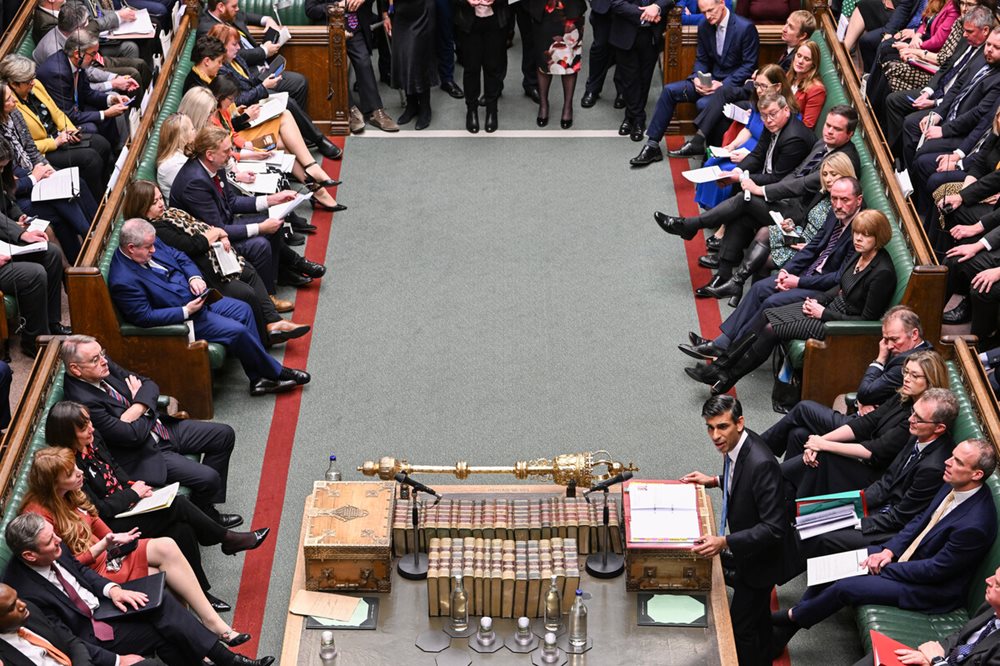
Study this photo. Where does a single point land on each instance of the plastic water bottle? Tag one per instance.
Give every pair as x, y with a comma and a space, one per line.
552, 610
578, 622
327, 649
333, 471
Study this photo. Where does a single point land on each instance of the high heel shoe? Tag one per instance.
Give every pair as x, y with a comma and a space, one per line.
542, 121
309, 180
322, 206
565, 124
232, 638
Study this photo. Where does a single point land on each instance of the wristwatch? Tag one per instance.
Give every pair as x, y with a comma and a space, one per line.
938, 661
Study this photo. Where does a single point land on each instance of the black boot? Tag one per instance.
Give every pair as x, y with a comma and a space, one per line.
472, 120
424, 115
410, 112
491, 118
741, 366
754, 260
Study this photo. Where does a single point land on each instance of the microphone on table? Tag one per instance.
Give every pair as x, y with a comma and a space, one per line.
416, 485
615, 480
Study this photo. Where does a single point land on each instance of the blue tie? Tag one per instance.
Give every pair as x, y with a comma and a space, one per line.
913, 456
979, 76
962, 652
725, 493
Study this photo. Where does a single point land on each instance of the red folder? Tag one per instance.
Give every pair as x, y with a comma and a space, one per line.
884, 649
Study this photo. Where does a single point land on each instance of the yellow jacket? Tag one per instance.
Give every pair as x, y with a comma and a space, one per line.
44, 142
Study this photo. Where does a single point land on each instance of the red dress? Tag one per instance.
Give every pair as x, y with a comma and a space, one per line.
133, 566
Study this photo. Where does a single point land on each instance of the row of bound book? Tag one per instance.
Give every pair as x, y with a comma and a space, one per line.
519, 519
503, 577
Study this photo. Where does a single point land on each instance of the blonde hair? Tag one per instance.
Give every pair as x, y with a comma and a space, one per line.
199, 105
840, 164
172, 138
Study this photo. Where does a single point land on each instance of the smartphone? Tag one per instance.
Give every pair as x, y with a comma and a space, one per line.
278, 70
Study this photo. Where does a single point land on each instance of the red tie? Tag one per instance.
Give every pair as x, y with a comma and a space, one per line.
160, 429
51, 650
102, 630
218, 182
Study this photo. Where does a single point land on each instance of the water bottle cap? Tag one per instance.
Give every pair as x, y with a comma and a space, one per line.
523, 622
486, 623
333, 457
579, 592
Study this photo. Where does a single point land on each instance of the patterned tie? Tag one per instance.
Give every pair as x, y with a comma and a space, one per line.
952, 75
160, 429
218, 182
961, 652
725, 493
935, 519
54, 653
102, 630
914, 454
817, 266
813, 162
979, 76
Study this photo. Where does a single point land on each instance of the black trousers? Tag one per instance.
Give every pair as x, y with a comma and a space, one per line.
602, 54
529, 70
805, 418
892, 114
207, 479
94, 161
361, 59
742, 219
297, 87
711, 121
750, 611
484, 50
634, 70
35, 280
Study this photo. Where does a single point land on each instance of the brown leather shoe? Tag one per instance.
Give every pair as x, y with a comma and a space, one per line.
282, 305
357, 121
380, 119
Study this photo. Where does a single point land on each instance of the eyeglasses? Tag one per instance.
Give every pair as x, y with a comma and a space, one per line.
773, 115
913, 375
763, 86
914, 418
97, 359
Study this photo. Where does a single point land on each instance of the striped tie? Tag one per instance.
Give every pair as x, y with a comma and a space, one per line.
980, 75
961, 652
817, 266
160, 429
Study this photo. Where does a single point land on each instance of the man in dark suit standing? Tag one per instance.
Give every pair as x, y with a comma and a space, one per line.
908, 485
754, 552
636, 35
123, 408
978, 639
168, 289
728, 47
928, 566
47, 574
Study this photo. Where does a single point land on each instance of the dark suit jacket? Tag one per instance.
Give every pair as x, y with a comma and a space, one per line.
900, 495
130, 443
251, 88
802, 184
626, 21
195, 192
980, 101
937, 577
41, 23
794, 143
255, 55
57, 76
987, 651
878, 385
944, 74
465, 15
739, 55
759, 536
62, 638
883, 431
868, 297
804, 258
901, 15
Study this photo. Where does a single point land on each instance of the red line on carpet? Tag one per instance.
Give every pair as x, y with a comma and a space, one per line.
709, 314
256, 578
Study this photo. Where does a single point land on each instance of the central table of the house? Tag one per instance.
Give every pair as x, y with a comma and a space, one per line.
613, 623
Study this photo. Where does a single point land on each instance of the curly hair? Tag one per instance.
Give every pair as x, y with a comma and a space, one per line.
49, 465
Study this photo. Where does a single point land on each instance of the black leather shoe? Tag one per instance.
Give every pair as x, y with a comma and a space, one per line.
542, 121
696, 339
304, 228
689, 149
619, 101
707, 291
56, 328
309, 268
533, 93
289, 279
625, 128
492, 122
300, 377
322, 206
218, 605
678, 226
638, 132
565, 123
704, 373
960, 314
713, 243
779, 639
277, 337
423, 120
237, 542
452, 89
704, 352
710, 261
329, 150
234, 638
265, 386
647, 156
472, 121
240, 660
294, 239
229, 520
589, 99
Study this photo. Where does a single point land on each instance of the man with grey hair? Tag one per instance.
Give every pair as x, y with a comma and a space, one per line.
44, 572
168, 289
64, 76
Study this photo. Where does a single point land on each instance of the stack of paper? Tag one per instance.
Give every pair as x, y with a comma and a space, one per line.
828, 520
663, 513
706, 174
737, 113
142, 25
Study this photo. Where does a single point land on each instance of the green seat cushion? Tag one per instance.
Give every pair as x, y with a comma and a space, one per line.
10, 306
294, 15
908, 627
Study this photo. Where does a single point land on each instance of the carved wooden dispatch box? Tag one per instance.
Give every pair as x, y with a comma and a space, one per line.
347, 541
669, 567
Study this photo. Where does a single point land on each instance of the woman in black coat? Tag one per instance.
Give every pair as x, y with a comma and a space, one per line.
866, 288
112, 492
484, 45
557, 28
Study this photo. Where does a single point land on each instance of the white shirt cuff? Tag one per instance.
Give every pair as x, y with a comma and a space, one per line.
959, 152
108, 588
103, 86
262, 203
876, 364
253, 230
985, 243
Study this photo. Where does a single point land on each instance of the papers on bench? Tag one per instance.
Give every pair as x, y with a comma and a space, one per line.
829, 520
119, 165
705, 174
737, 113
281, 210
160, 499
828, 568
273, 106
63, 184
663, 513
8, 250
141, 26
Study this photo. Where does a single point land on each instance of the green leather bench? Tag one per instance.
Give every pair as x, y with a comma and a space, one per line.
913, 628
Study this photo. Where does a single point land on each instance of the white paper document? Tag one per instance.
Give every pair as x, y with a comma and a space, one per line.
119, 164
272, 107
737, 113
281, 210
663, 512
142, 25
228, 261
38, 224
160, 499
63, 184
264, 183
828, 568
705, 174
720, 152
8, 250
